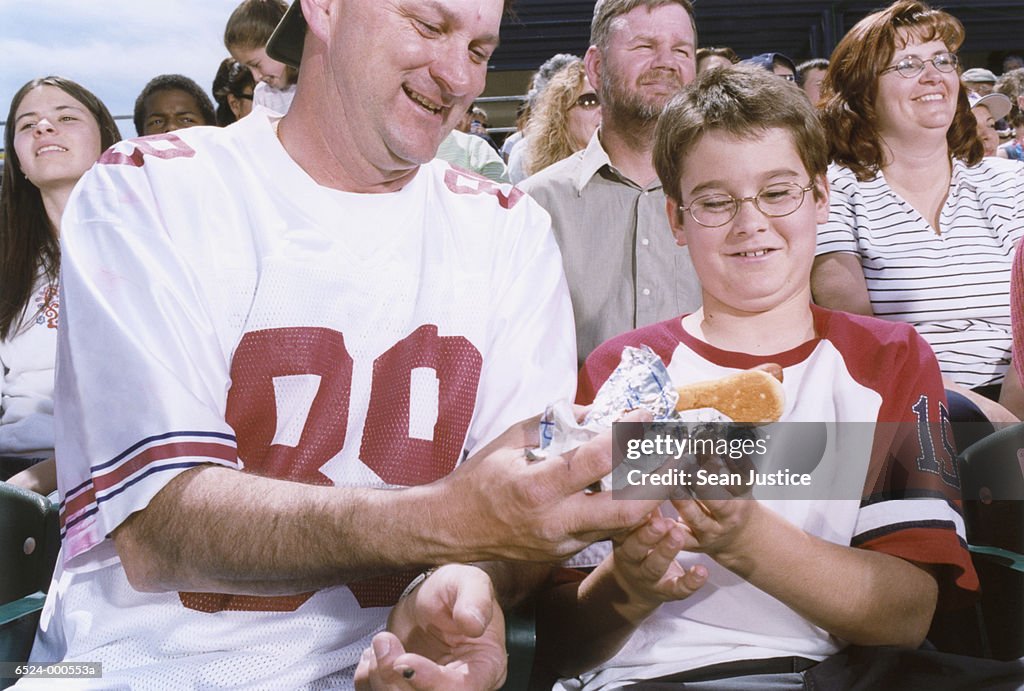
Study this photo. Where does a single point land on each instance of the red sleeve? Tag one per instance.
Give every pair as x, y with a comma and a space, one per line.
911, 506
600, 364
596, 370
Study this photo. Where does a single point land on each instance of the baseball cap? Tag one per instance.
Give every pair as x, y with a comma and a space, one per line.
285, 44
978, 75
767, 61
998, 104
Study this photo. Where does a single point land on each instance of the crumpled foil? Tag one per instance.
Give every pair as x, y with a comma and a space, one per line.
640, 381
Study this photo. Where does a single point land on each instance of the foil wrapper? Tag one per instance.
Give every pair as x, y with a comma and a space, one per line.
640, 381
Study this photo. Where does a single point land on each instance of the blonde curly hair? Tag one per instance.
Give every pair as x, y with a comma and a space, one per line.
547, 133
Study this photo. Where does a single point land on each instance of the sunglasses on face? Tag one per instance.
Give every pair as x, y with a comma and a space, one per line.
587, 101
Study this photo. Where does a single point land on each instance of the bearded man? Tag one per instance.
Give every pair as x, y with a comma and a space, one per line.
607, 206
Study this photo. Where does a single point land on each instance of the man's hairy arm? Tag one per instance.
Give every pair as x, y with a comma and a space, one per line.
216, 529
220, 530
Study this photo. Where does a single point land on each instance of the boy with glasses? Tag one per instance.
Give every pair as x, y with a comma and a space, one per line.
754, 586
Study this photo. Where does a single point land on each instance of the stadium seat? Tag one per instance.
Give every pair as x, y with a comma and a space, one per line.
520, 642
992, 477
29, 543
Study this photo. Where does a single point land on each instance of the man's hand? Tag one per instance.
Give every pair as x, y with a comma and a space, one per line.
449, 633
517, 509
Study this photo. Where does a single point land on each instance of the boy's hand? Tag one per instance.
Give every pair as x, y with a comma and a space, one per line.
718, 517
644, 567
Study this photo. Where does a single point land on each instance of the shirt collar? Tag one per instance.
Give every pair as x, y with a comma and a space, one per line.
594, 159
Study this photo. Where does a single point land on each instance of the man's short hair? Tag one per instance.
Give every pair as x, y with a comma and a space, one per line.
742, 101
286, 42
170, 82
717, 51
812, 64
605, 11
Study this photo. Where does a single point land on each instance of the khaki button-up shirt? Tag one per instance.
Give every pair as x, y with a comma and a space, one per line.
622, 263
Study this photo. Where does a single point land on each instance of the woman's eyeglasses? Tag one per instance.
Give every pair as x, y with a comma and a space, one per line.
587, 101
912, 66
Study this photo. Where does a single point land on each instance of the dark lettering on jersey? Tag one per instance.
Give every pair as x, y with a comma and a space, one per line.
462, 182
386, 446
164, 146
938, 461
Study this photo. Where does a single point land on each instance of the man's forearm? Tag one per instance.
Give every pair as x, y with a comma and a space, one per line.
216, 529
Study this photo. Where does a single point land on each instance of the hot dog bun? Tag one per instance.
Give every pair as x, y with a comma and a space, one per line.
753, 395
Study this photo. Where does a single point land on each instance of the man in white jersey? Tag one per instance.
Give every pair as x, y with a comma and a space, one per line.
280, 340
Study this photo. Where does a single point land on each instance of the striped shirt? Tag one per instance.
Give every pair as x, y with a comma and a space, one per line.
953, 287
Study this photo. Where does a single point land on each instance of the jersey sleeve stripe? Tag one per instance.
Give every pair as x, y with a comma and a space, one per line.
894, 514
178, 451
158, 437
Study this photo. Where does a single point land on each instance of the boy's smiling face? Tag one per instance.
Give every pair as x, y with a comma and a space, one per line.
754, 262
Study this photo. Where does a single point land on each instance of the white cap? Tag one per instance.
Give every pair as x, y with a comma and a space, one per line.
998, 104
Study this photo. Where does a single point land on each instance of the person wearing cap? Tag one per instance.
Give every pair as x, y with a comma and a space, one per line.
776, 63
979, 80
986, 110
1012, 85
315, 371
922, 226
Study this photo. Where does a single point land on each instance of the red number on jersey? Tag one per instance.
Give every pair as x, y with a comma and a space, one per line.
461, 182
261, 357
387, 447
158, 146
936, 459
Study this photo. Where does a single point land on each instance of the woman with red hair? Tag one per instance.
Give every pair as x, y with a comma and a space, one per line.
921, 229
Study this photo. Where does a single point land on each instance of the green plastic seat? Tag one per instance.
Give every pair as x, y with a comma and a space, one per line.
29, 544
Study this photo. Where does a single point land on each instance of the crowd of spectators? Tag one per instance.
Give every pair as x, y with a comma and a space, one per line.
845, 218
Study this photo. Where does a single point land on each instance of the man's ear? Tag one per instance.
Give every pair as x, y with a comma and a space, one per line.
318, 15
675, 220
592, 63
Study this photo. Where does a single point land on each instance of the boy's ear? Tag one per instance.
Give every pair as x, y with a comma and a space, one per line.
675, 220
821, 206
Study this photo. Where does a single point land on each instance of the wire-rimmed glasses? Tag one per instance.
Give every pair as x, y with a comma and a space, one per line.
775, 200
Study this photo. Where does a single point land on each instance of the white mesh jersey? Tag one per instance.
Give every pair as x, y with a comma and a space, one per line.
221, 307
